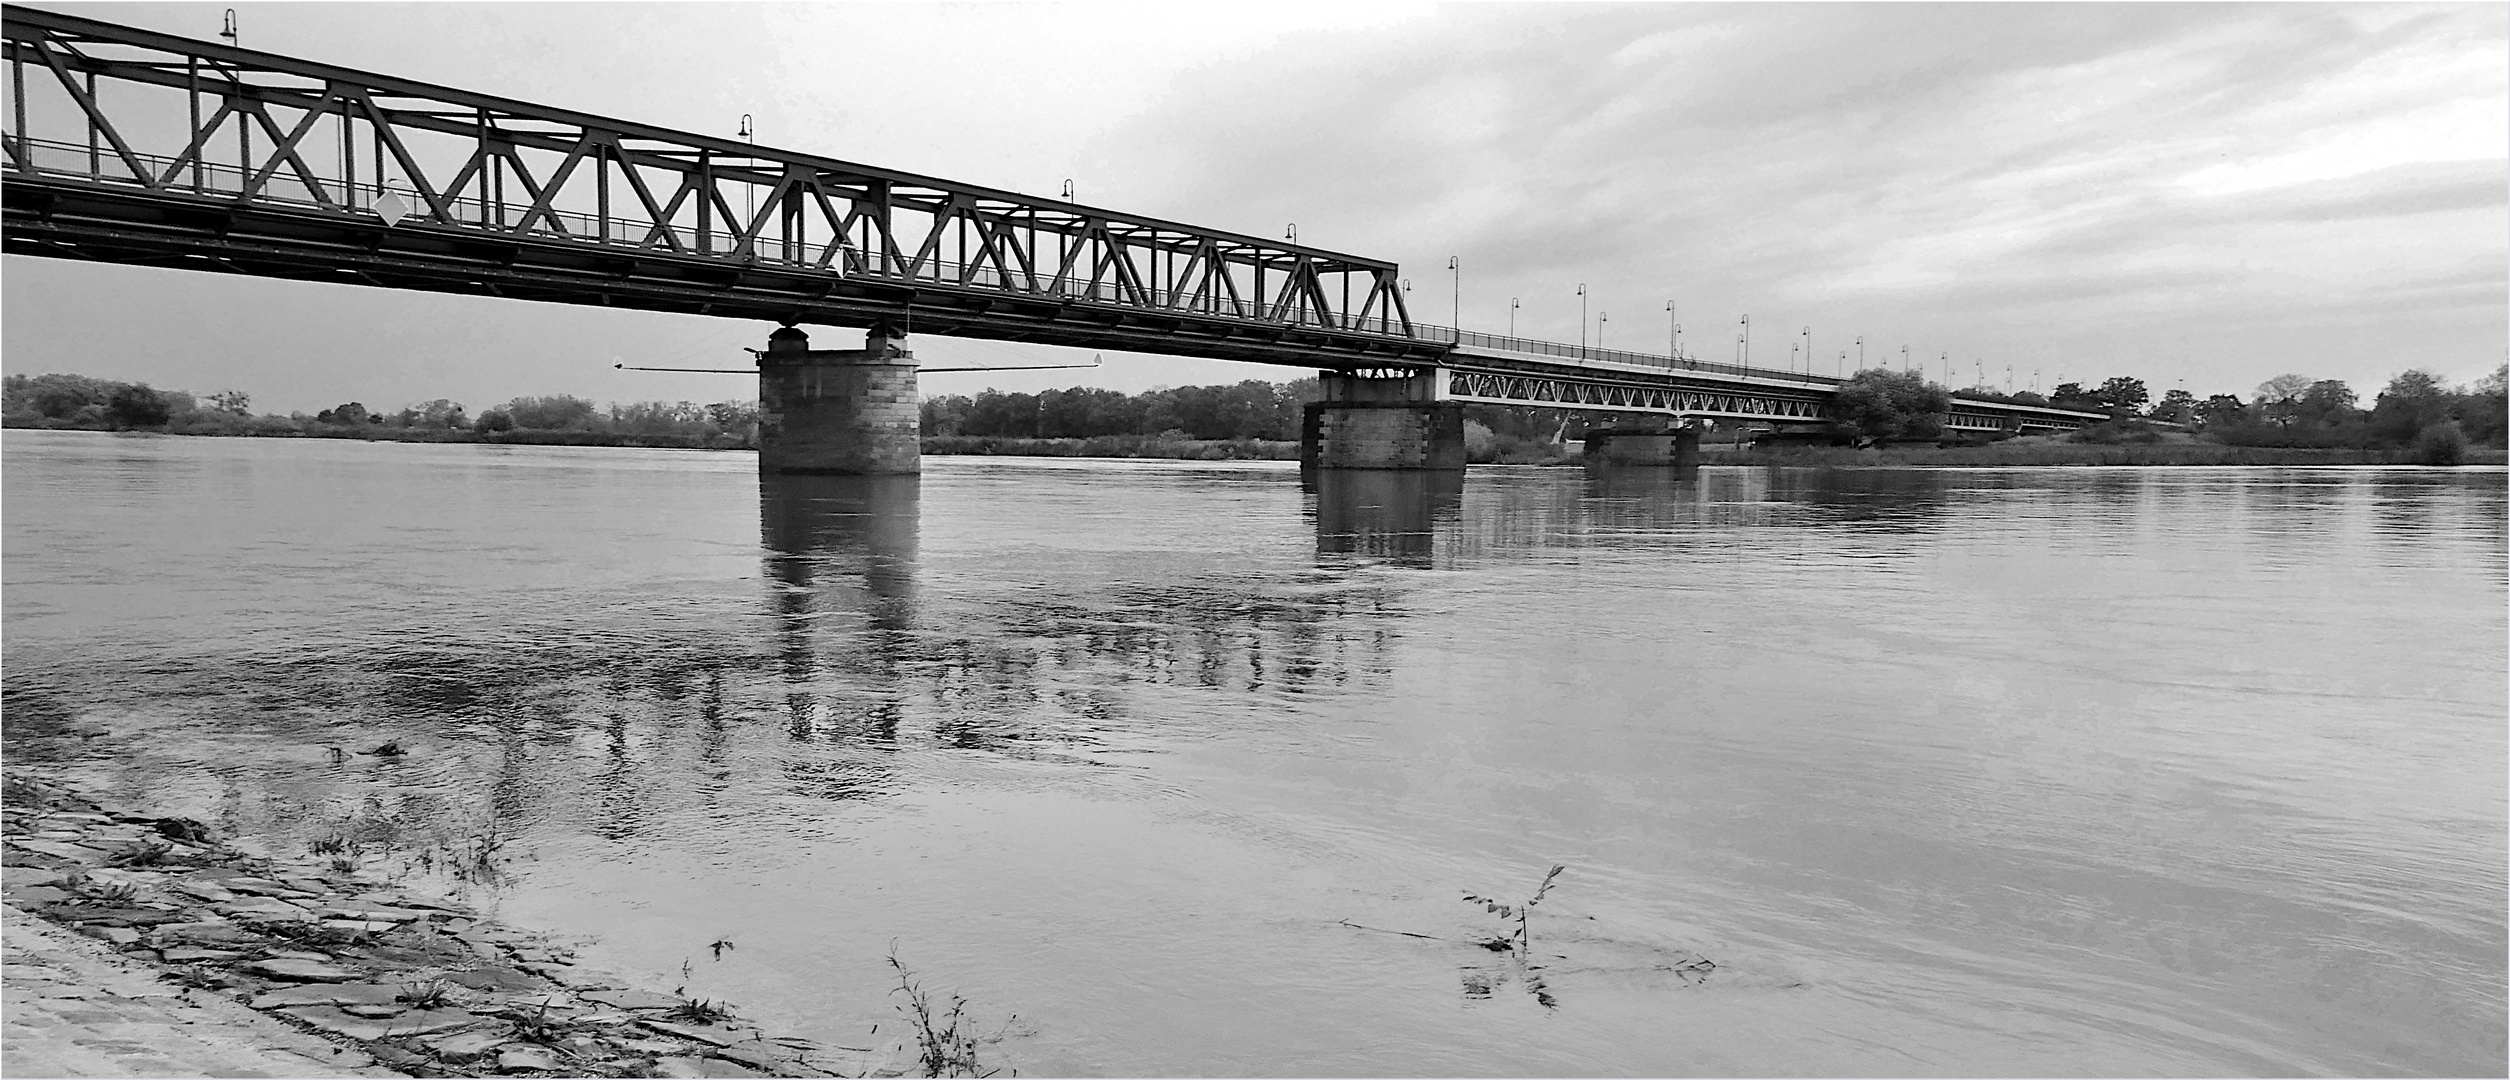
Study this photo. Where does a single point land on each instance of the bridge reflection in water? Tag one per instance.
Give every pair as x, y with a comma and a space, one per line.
840, 554
1391, 515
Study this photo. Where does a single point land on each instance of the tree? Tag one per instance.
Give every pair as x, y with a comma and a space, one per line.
1877, 407
2413, 400
2122, 396
2328, 401
2282, 388
134, 405
493, 420
2176, 406
557, 412
236, 402
346, 415
2221, 409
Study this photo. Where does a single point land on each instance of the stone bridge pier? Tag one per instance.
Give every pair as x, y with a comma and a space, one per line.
1382, 419
847, 412
1644, 444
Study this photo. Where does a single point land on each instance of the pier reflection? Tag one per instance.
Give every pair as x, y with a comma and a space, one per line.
1392, 515
840, 552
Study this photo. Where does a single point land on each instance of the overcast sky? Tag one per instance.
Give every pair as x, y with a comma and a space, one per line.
2214, 194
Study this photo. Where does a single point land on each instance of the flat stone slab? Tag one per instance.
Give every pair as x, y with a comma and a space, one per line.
62, 849
37, 895
184, 954
468, 1045
296, 970
339, 1021
497, 978
206, 933
373, 913
632, 999
264, 906
352, 993
692, 1068
709, 1035
527, 1059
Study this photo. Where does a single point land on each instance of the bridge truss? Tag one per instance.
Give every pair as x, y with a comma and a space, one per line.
128, 146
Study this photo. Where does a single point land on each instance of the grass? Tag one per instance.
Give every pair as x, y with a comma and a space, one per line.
424, 994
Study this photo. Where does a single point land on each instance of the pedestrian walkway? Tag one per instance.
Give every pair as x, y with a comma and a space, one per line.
70, 1006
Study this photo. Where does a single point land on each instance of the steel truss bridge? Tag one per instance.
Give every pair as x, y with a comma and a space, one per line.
127, 146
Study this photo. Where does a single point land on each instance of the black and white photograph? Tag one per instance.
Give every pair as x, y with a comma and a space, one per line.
1289, 539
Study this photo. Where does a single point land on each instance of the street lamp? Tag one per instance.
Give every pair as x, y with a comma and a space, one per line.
1904, 359
1455, 265
1512, 318
1860, 352
227, 29
1293, 235
1673, 335
1601, 318
1808, 350
1581, 318
1746, 339
749, 191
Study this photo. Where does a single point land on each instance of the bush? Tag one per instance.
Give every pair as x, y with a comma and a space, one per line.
2440, 444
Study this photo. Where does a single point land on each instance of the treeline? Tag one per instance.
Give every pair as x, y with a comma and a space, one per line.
81, 402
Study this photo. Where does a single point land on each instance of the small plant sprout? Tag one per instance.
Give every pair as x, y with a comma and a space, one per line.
117, 891
148, 853
943, 1043
1520, 913
720, 946
427, 994
701, 1011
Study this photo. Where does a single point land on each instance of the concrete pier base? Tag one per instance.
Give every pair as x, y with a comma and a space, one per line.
838, 411
1674, 447
1390, 421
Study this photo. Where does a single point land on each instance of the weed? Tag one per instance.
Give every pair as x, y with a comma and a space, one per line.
944, 1045
701, 1011
148, 853
116, 891
427, 994
335, 842
720, 946
1521, 913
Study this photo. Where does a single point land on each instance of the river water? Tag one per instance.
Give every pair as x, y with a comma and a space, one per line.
1161, 765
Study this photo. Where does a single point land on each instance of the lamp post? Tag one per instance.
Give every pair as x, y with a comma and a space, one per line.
1293, 235
227, 30
1746, 339
1808, 350
1673, 333
1581, 318
749, 191
1455, 265
1601, 318
1512, 318
1860, 352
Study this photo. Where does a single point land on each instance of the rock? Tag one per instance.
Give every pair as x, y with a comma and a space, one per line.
189, 955
701, 1067
244, 883
333, 994
126, 916
495, 978
527, 1059
396, 1057
33, 878
119, 935
204, 890
372, 913
338, 1021
358, 926
374, 1011
693, 1033
775, 1058
632, 999
37, 895
297, 970
468, 1045
205, 933
84, 856
262, 906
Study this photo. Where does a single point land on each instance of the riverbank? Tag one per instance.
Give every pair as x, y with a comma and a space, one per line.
2051, 452
382, 974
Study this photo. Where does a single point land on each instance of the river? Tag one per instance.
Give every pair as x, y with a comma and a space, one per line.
1163, 765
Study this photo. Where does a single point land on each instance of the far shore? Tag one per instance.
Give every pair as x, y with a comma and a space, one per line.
2010, 453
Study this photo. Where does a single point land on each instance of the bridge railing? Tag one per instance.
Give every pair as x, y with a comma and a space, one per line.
1571, 351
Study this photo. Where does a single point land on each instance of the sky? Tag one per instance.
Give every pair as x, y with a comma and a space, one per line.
2200, 196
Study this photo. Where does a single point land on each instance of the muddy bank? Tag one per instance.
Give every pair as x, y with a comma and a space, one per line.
421, 984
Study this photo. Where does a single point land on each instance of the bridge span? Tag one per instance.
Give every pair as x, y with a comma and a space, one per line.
128, 146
